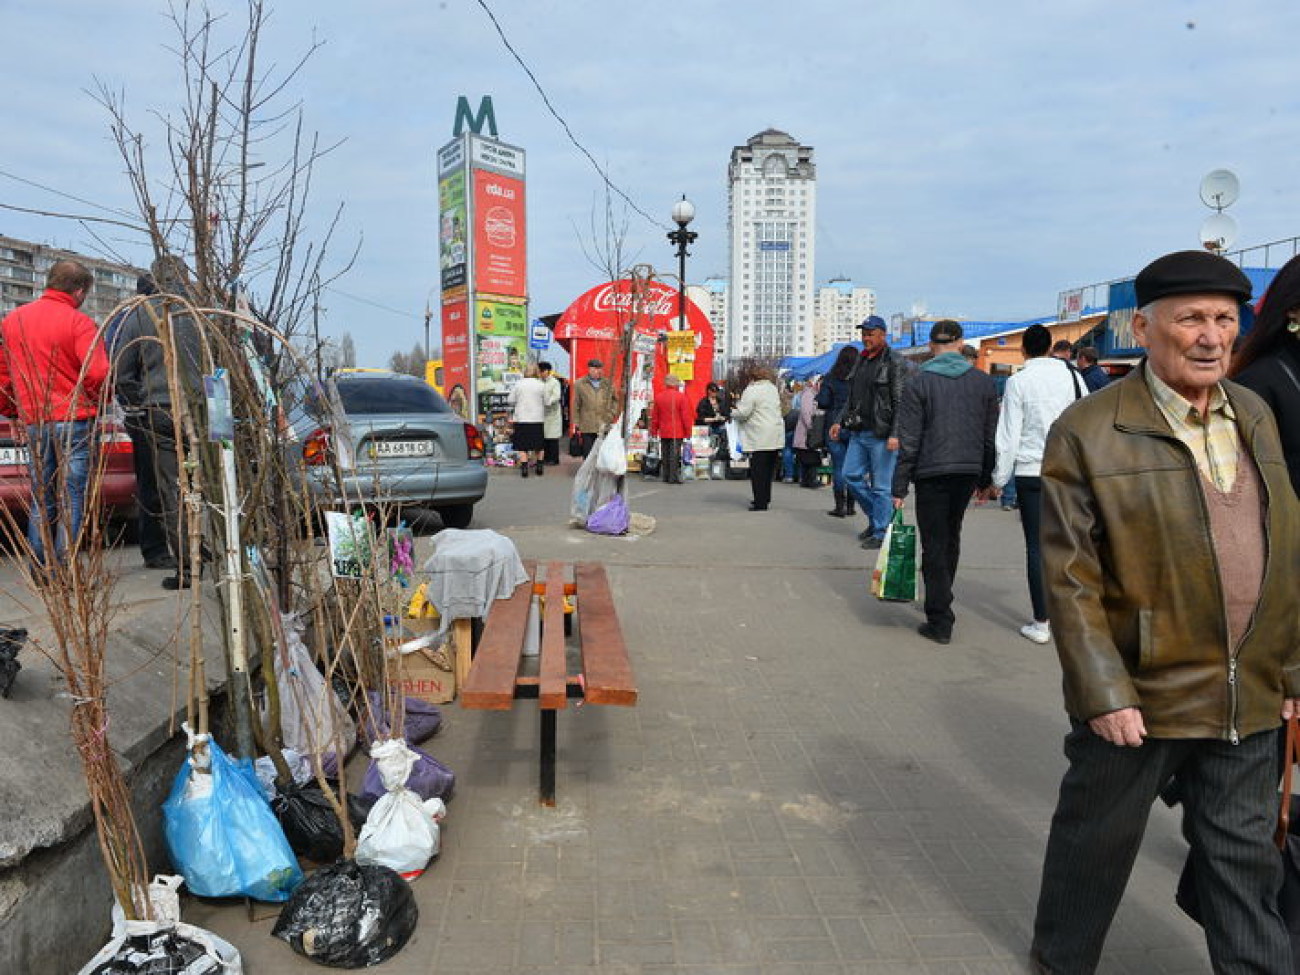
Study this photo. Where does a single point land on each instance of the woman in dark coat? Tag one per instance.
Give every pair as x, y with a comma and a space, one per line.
832, 396
1268, 360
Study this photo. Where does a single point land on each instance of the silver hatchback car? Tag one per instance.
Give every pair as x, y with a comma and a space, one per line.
404, 445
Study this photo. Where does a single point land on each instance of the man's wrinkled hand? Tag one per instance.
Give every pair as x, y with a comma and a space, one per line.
1290, 706
1124, 727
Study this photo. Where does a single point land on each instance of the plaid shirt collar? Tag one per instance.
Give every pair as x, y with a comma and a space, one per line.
1212, 437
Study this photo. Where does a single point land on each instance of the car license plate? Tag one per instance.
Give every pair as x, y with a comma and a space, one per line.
401, 448
13, 456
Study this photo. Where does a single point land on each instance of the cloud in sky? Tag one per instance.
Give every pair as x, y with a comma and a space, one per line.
977, 157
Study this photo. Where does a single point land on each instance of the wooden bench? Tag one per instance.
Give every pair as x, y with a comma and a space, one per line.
598, 672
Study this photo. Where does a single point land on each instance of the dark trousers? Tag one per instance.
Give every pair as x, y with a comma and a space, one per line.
940, 507
551, 450
762, 466
588, 441
1230, 809
1029, 495
157, 474
670, 460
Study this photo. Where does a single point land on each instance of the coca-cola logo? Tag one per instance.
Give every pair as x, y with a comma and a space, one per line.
610, 299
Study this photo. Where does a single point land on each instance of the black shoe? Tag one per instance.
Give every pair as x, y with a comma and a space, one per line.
161, 562
177, 582
931, 632
757, 507
539, 469
524, 469
873, 541
865, 533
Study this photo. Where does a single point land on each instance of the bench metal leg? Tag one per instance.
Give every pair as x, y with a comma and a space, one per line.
547, 783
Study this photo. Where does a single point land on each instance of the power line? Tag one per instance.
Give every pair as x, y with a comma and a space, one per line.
69, 196
374, 304
563, 124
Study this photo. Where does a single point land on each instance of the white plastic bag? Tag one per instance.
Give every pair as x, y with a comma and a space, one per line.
612, 452
136, 942
312, 718
401, 832
591, 487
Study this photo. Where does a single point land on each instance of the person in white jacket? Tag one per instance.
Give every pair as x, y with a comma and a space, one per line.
1035, 396
762, 433
530, 398
553, 425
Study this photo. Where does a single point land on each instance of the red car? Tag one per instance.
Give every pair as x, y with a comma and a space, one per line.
117, 487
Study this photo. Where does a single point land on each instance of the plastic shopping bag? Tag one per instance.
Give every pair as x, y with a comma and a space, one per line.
401, 831
612, 518
898, 552
221, 833
429, 779
312, 718
591, 487
612, 452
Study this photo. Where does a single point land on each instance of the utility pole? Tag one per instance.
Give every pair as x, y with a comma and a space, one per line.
315, 322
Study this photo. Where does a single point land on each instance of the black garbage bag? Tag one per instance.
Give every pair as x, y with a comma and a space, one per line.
309, 823
349, 915
11, 642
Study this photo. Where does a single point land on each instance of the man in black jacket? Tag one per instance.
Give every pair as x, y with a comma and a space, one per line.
144, 392
870, 416
946, 429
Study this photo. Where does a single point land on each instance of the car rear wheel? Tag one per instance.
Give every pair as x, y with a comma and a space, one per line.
456, 515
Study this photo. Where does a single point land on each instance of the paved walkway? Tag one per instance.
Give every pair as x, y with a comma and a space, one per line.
806, 786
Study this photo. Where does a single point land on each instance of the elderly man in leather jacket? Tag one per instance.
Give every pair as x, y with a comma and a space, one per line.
1171, 544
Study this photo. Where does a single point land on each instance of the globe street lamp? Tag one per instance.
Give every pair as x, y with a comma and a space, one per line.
683, 214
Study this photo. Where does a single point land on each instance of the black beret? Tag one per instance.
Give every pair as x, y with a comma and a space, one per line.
1190, 273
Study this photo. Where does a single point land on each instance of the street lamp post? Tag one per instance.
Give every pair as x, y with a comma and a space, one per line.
683, 214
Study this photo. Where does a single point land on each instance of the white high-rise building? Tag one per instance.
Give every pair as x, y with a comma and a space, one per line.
840, 308
772, 202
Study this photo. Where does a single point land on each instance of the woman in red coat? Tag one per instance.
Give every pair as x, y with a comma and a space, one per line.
670, 420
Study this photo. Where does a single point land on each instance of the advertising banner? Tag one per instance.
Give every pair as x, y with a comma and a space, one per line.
455, 356
452, 230
501, 344
1069, 305
500, 252
681, 354
1118, 338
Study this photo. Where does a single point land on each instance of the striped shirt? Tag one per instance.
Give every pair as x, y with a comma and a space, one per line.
1213, 438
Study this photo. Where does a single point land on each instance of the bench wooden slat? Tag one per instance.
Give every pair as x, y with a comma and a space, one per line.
553, 670
605, 663
491, 682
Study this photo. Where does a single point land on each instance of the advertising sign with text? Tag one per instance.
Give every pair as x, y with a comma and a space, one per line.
452, 230
455, 356
501, 344
500, 251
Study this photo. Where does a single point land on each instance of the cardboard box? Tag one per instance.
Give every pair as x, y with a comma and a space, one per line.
428, 673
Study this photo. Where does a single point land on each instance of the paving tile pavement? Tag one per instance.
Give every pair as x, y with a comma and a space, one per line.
806, 786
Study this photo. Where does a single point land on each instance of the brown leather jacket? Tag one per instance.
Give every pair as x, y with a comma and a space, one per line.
593, 407
1133, 586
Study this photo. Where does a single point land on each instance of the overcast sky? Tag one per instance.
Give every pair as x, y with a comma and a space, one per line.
977, 158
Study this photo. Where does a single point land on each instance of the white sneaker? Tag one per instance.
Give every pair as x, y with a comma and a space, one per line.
1037, 632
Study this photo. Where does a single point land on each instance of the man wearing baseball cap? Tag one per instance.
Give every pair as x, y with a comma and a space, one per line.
1171, 546
868, 424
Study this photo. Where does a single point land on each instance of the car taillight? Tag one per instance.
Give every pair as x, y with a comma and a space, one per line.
473, 441
316, 448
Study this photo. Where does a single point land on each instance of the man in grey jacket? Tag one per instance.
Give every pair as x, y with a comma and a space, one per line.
946, 428
144, 392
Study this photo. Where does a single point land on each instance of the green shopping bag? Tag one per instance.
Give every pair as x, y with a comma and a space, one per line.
897, 561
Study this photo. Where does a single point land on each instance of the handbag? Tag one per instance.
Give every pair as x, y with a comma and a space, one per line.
1288, 844
816, 437
575, 444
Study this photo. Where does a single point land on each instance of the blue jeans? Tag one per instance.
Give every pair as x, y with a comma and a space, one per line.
787, 458
868, 473
837, 449
60, 471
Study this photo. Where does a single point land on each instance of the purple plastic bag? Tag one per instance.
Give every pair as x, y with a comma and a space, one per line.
421, 720
611, 518
430, 779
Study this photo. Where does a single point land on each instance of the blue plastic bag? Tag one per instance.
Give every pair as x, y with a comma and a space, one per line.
221, 833
611, 518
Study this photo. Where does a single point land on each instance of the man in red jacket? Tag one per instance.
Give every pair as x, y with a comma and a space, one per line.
670, 420
52, 374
